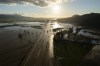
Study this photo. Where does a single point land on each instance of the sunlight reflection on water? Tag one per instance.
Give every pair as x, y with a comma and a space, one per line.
51, 46
56, 25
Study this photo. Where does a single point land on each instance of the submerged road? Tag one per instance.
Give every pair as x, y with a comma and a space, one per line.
39, 54
32, 49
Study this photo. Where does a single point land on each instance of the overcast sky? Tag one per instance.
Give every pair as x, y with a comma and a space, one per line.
49, 8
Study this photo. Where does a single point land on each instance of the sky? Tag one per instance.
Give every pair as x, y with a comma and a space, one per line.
49, 8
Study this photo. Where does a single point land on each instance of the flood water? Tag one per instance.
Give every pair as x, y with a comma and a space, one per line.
80, 32
16, 39
77, 53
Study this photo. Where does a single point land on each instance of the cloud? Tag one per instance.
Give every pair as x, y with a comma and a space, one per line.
41, 3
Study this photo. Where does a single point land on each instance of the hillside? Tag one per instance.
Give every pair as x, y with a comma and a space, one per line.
91, 20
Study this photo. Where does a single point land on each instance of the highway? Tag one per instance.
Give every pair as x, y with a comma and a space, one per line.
39, 54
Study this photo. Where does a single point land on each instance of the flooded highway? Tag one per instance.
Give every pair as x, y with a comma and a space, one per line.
46, 44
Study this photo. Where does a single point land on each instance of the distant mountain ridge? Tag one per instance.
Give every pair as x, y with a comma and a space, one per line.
16, 17
10, 16
13, 17
91, 20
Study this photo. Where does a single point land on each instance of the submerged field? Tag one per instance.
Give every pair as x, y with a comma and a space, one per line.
70, 53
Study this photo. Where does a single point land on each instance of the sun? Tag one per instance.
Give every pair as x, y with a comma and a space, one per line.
56, 9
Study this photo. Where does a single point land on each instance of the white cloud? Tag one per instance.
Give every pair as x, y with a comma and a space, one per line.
41, 3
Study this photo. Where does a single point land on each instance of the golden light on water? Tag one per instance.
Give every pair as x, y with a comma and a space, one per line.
56, 25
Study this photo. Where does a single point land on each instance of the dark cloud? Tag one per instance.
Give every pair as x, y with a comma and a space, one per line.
41, 3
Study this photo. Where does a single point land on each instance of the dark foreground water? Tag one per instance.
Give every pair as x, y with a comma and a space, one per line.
16, 39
